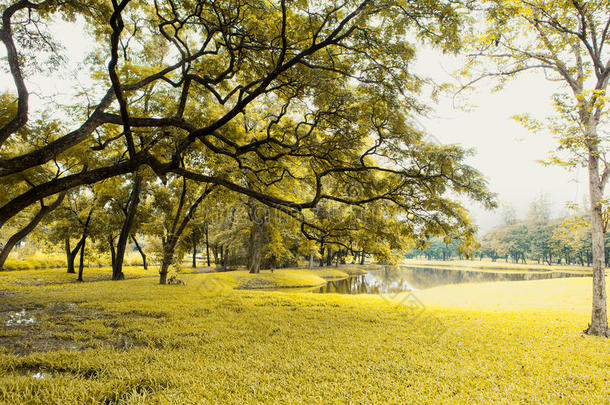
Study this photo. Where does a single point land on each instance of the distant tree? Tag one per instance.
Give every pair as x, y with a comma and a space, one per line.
539, 211
509, 215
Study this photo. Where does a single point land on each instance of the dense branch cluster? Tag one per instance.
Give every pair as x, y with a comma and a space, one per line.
291, 104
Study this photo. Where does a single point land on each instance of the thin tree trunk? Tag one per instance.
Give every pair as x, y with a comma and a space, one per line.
81, 265
112, 251
207, 245
216, 252
23, 232
599, 315
134, 200
141, 251
176, 231
321, 255
81, 246
194, 255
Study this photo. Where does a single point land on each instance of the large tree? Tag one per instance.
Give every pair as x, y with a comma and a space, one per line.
568, 41
289, 103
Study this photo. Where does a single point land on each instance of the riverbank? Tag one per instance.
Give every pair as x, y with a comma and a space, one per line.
135, 342
488, 265
282, 278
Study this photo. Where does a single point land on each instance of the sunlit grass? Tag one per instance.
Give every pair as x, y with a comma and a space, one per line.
40, 260
486, 264
561, 294
135, 341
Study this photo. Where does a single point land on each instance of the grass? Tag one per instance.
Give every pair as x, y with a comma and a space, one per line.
282, 278
35, 277
38, 260
135, 342
555, 295
482, 265
242, 280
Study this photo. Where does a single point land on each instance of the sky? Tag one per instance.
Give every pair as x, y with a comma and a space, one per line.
506, 153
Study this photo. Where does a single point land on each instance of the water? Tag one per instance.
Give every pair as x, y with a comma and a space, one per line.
403, 278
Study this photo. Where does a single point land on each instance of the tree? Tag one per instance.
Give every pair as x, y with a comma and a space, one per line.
72, 221
568, 41
28, 228
289, 103
174, 206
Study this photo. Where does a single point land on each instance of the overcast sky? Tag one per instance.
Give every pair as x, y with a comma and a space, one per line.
505, 152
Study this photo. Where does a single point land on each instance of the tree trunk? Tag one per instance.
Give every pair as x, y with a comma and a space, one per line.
163, 276
81, 265
168, 255
112, 251
134, 200
194, 255
23, 232
599, 315
255, 247
321, 255
207, 246
362, 256
216, 252
225, 257
69, 256
257, 235
176, 231
139, 248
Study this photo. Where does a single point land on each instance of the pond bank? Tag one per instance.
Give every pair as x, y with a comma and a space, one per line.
487, 265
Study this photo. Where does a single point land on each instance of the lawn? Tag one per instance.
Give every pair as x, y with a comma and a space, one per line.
499, 265
136, 342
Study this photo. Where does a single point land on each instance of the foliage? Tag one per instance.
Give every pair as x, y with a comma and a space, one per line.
292, 105
568, 42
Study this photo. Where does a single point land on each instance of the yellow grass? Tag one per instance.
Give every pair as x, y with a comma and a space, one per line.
494, 266
135, 342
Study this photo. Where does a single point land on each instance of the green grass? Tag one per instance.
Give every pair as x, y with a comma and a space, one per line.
135, 342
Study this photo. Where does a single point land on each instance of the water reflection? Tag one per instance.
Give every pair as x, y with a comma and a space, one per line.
396, 279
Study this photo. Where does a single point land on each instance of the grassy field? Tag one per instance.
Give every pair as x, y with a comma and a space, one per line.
135, 342
555, 295
500, 265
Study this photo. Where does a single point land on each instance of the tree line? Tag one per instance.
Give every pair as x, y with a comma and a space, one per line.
537, 238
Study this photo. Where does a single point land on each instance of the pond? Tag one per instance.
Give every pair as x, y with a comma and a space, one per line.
403, 278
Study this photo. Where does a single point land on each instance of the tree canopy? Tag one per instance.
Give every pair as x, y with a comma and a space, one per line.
292, 104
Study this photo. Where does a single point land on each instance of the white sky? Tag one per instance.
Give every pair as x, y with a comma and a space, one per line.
505, 152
